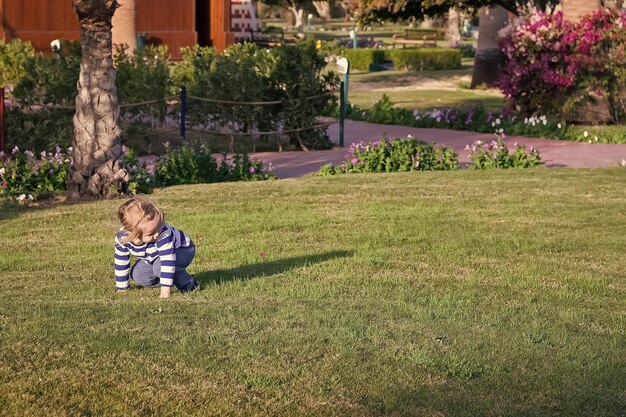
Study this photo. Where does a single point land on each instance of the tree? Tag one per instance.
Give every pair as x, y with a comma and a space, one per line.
489, 58
574, 9
97, 152
492, 17
124, 27
296, 9
323, 9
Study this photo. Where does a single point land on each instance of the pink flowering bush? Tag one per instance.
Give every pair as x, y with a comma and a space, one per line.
395, 155
555, 67
27, 173
495, 154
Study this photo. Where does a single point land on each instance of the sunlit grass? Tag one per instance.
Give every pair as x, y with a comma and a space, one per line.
455, 293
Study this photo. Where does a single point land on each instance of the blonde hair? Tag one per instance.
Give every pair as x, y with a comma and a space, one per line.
133, 213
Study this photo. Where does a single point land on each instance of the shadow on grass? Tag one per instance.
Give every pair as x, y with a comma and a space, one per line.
266, 268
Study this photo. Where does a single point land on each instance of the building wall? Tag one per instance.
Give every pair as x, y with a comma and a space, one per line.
244, 18
169, 22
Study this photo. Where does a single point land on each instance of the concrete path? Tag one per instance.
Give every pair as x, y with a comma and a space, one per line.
554, 153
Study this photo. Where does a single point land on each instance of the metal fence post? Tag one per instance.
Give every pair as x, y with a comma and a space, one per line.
2, 143
183, 110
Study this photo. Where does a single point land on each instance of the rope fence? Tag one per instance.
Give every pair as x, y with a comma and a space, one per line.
183, 100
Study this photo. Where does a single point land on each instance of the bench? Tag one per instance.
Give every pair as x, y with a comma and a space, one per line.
270, 37
410, 37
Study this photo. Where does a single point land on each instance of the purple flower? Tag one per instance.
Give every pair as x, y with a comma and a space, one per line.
4, 185
251, 170
354, 161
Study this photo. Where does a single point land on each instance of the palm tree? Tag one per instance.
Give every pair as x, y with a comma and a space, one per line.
489, 57
97, 152
574, 9
124, 26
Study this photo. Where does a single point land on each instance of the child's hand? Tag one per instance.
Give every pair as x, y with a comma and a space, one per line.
165, 292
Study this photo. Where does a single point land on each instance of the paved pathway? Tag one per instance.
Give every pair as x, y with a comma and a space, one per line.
554, 153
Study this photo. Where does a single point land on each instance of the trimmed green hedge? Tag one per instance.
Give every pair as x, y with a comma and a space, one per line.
361, 58
412, 59
420, 59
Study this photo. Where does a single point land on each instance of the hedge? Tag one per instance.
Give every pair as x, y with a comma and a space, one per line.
361, 58
413, 59
420, 59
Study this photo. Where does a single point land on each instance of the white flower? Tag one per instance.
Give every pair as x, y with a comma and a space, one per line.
558, 125
1, 171
497, 121
21, 197
585, 133
622, 162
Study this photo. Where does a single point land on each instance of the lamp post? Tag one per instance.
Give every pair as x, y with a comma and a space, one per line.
353, 37
343, 67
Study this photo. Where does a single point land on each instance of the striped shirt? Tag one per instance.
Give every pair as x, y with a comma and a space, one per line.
163, 248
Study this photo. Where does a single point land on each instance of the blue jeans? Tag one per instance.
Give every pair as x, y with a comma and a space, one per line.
146, 274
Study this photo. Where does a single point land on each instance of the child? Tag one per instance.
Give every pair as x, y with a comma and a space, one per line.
163, 252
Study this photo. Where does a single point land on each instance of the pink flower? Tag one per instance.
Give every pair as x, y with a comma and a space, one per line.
262, 254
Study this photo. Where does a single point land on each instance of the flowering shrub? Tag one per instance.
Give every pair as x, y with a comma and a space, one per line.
41, 175
555, 67
478, 119
360, 43
27, 173
496, 155
192, 163
396, 155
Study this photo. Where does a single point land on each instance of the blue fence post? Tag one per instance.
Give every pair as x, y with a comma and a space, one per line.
2, 144
342, 111
183, 110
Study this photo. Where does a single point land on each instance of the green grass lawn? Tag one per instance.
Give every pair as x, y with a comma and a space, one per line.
454, 293
424, 90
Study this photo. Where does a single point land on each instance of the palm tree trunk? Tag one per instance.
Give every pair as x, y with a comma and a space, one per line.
97, 152
124, 27
453, 32
573, 10
489, 58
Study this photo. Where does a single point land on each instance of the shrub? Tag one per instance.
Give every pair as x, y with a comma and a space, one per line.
50, 79
361, 42
396, 155
143, 75
291, 75
467, 50
420, 59
361, 58
496, 155
27, 173
559, 68
192, 163
384, 111
13, 56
